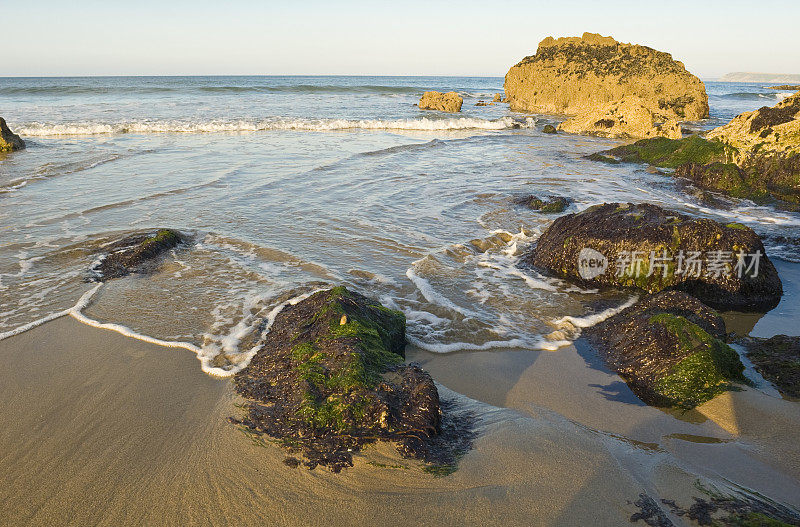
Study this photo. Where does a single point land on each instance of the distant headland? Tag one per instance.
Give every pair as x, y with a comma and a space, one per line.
742, 76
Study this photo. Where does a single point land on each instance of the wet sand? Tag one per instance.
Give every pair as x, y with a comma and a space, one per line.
101, 429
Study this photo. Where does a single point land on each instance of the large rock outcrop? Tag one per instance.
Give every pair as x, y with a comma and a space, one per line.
328, 380
646, 247
756, 156
576, 75
628, 118
9, 141
670, 349
443, 102
768, 130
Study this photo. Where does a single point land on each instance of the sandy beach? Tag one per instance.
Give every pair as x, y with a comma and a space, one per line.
102, 429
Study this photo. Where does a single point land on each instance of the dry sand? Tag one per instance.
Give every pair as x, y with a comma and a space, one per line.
100, 429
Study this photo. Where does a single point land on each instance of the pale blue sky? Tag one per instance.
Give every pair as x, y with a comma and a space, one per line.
148, 37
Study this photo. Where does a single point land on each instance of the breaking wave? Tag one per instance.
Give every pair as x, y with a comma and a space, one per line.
278, 123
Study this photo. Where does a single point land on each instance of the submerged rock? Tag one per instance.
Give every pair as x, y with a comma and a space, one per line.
646, 247
575, 75
135, 254
629, 117
777, 359
329, 379
552, 204
443, 102
670, 350
9, 141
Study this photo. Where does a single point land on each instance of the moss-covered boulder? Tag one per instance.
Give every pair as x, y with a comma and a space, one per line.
548, 204
777, 359
329, 379
443, 102
549, 129
649, 248
9, 141
135, 254
670, 349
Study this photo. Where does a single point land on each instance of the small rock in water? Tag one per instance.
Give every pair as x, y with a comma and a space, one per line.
9, 141
136, 253
548, 205
443, 102
549, 129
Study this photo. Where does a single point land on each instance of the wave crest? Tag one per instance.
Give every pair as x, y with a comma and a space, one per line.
279, 123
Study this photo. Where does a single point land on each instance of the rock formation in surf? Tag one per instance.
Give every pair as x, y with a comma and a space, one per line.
329, 378
549, 129
598, 80
628, 118
136, 254
756, 156
9, 141
646, 247
777, 359
550, 204
443, 102
670, 349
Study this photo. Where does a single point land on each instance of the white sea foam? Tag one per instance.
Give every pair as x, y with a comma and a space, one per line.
590, 320
205, 354
537, 344
38, 129
434, 297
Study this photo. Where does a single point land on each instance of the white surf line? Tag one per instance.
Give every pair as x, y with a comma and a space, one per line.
205, 360
590, 320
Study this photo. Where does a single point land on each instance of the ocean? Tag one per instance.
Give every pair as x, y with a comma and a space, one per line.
291, 184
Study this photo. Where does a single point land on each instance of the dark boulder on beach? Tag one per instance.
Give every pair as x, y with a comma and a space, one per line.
9, 141
670, 350
329, 379
652, 249
550, 204
136, 254
777, 359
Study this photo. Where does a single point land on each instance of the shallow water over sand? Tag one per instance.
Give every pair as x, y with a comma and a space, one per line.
359, 188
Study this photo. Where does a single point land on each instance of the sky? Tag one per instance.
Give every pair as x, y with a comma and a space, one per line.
348, 37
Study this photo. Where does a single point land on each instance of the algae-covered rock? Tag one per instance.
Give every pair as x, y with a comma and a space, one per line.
670, 350
777, 359
768, 130
443, 102
328, 379
646, 247
669, 153
135, 254
628, 118
9, 141
548, 205
575, 75
549, 129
